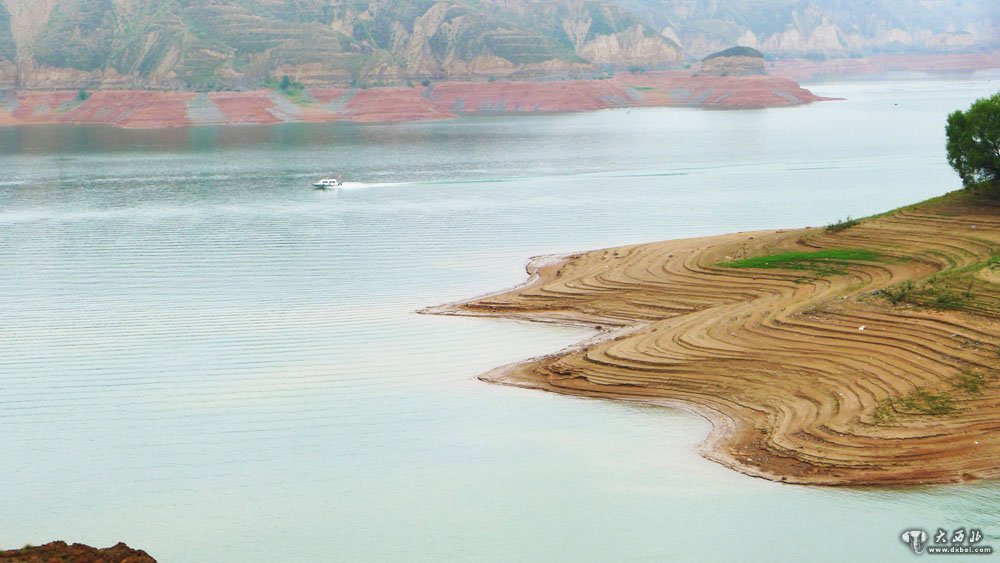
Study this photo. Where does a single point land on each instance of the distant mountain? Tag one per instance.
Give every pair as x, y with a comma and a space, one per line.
208, 44
221, 44
823, 27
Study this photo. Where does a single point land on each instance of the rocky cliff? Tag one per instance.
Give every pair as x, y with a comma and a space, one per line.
239, 44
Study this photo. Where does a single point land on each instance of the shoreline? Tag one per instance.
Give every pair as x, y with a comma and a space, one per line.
146, 109
807, 377
153, 109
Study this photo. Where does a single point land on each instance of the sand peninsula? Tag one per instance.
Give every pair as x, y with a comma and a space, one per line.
863, 353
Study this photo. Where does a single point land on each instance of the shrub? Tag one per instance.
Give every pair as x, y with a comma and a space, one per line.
842, 224
898, 293
974, 141
922, 401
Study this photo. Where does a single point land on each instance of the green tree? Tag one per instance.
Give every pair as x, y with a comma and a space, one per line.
286, 83
974, 141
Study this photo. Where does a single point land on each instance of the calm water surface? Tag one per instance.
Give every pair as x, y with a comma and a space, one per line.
205, 358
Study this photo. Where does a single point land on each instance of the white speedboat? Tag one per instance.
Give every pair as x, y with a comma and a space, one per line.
327, 184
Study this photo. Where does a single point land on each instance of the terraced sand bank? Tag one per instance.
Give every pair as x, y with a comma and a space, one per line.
842, 372
443, 100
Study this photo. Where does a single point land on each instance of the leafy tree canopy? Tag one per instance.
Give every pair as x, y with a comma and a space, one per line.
974, 141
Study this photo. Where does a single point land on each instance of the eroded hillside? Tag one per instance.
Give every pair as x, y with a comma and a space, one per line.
241, 44
824, 27
217, 44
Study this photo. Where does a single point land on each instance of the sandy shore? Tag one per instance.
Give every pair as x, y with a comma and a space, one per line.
809, 375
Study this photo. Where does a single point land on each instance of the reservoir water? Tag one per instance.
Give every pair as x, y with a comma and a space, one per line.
205, 358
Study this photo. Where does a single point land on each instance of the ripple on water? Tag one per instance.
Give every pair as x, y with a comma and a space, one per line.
191, 333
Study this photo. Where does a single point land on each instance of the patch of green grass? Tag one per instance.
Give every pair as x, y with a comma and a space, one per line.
922, 401
884, 413
972, 381
936, 292
897, 293
823, 262
919, 402
951, 290
958, 287
950, 300
642, 88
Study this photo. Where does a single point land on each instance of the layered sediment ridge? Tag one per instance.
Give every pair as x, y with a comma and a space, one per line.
149, 109
808, 373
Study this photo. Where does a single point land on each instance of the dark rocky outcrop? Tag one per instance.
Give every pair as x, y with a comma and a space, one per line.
77, 553
736, 61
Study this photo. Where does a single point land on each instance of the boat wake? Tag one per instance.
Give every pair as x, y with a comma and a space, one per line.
367, 186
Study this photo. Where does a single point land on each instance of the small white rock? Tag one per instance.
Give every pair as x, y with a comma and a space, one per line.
862, 327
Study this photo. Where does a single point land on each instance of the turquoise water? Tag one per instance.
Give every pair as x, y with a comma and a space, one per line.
205, 358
